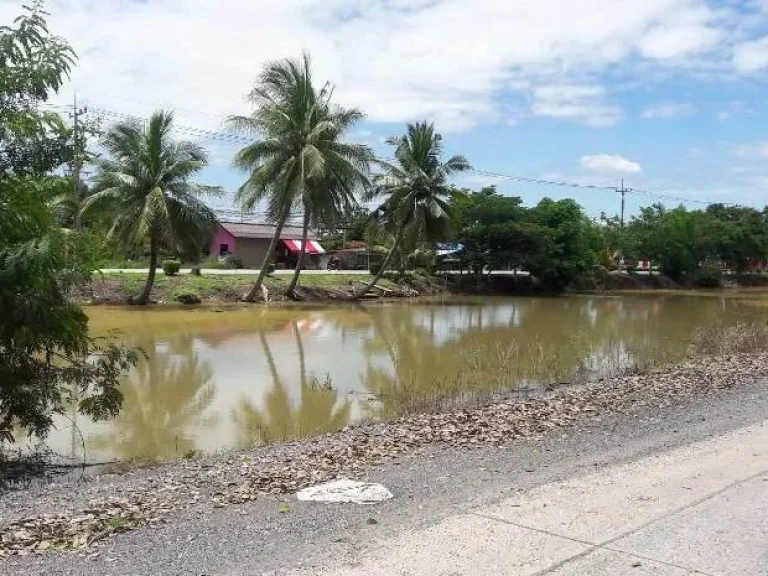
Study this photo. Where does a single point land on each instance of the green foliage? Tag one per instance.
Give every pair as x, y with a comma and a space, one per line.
421, 259
678, 240
375, 267
300, 158
416, 209
33, 63
352, 226
171, 267
709, 276
271, 269
146, 184
47, 361
566, 251
233, 262
553, 240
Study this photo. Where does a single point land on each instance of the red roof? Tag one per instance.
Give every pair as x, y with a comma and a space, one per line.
265, 231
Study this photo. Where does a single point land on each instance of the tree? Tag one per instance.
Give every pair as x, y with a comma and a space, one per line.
741, 235
146, 183
416, 191
351, 226
298, 160
489, 229
47, 360
566, 244
678, 239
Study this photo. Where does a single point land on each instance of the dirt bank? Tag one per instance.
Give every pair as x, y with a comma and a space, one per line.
116, 288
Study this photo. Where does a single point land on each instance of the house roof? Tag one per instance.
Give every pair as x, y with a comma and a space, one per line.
265, 231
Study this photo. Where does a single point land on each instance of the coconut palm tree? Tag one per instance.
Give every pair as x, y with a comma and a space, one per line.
298, 160
145, 183
416, 190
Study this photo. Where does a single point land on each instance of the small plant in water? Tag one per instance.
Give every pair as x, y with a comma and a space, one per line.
323, 385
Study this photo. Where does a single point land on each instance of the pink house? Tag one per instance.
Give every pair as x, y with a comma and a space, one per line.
250, 242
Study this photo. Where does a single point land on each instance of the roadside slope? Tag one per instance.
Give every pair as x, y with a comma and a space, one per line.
430, 488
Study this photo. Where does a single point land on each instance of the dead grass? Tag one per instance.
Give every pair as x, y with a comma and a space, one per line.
743, 338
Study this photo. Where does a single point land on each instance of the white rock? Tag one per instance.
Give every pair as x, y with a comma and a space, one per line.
345, 491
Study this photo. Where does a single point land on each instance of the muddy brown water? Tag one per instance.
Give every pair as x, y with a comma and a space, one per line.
228, 378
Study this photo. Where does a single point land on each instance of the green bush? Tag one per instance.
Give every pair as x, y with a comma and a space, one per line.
171, 267
421, 260
212, 263
708, 276
375, 266
271, 269
233, 262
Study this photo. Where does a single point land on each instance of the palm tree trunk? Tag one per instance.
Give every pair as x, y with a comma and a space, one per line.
384, 265
300, 262
143, 298
254, 292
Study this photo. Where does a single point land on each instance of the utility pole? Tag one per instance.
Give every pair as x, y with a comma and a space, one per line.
77, 159
623, 192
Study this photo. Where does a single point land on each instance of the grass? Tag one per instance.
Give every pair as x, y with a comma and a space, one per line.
482, 375
225, 288
743, 338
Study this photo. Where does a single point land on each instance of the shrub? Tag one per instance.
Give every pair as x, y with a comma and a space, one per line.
708, 276
233, 262
171, 267
375, 266
271, 269
421, 260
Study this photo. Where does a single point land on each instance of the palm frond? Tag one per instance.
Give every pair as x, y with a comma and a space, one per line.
146, 178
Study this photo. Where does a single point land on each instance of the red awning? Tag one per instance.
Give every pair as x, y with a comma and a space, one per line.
313, 247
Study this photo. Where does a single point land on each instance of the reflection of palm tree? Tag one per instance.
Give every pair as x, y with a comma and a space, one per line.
163, 397
280, 420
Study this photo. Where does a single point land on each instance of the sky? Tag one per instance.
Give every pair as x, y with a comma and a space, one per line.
667, 94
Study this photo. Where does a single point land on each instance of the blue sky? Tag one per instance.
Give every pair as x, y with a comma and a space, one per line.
668, 94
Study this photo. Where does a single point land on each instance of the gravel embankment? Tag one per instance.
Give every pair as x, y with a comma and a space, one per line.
77, 515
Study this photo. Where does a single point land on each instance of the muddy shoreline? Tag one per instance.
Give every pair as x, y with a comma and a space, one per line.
117, 288
77, 515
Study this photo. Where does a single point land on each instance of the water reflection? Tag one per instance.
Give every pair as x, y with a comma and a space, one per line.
247, 376
164, 399
436, 351
279, 419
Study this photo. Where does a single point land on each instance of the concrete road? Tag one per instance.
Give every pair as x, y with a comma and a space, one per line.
699, 509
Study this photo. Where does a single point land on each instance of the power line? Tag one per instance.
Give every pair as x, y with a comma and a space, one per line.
230, 138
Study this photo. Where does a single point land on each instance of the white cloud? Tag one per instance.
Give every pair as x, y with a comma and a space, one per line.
669, 110
754, 150
723, 115
450, 60
751, 56
602, 163
583, 103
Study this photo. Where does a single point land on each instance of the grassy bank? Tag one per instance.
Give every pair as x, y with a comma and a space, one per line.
116, 287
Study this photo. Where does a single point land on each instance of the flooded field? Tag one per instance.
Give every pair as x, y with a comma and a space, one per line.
217, 379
